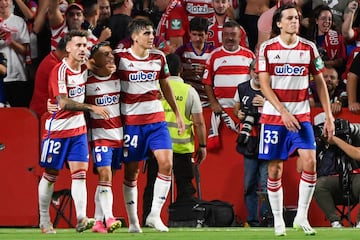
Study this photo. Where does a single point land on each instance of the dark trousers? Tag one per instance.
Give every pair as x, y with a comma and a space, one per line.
183, 173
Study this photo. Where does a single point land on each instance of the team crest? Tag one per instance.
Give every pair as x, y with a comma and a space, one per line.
176, 24
319, 64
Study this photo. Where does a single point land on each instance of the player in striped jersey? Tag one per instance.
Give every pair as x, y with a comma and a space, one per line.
106, 136
142, 69
65, 132
284, 65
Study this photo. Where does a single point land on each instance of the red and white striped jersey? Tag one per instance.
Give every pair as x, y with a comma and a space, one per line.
104, 91
289, 67
225, 70
59, 32
198, 8
215, 33
65, 81
139, 78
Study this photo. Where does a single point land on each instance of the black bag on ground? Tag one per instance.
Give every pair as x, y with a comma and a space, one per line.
214, 213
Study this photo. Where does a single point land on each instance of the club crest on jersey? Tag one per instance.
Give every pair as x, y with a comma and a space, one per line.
77, 91
176, 24
141, 76
107, 100
287, 69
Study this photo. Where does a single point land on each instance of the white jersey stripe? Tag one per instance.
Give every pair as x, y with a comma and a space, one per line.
231, 60
230, 80
289, 56
126, 64
142, 107
73, 122
108, 134
296, 82
139, 87
296, 107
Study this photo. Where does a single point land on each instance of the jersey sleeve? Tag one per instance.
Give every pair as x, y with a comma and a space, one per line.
208, 73
316, 63
57, 81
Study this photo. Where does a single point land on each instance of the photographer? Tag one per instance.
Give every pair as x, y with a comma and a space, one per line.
248, 102
338, 173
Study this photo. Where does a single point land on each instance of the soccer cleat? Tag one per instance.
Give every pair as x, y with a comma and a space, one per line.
112, 224
358, 225
47, 228
280, 230
99, 227
305, 226
155, 222
85, 224
336, 224
135, 228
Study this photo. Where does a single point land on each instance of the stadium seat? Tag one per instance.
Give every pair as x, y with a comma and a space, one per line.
344, 208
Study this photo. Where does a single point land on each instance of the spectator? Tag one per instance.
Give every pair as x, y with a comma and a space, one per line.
331, 165
103, 20
248, 104
14, 43
41, 90
226, 67
351, 36
194, 55
64, 138
60, 25
336, 90
220, 16
285, 118
3, 68
338, 9
183, 146
174, 24
250, 11
353, 86
141, 69
120, 20
91, 15
329, 42
106, 137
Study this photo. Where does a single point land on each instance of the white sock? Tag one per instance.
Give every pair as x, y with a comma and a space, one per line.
106, 200
131, 199
99, 215
79, 193
306, 191
45, 191
161, 190
275, 193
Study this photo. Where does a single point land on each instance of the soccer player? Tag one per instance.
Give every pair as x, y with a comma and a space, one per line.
142, 69
284, 65
106, 137
65, 132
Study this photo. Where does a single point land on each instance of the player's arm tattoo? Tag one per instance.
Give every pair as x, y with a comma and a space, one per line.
70, 105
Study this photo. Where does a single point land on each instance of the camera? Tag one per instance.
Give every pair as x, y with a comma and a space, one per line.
342, 129
251, 118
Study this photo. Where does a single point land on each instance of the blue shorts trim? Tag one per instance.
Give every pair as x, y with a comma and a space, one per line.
56, 151
140, 139
276, 142
104, 156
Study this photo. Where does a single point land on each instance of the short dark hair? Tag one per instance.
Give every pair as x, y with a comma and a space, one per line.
174, 63
137, 25
75, 33
95, 48
277, 17
231, 24
61, 44
199, 24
